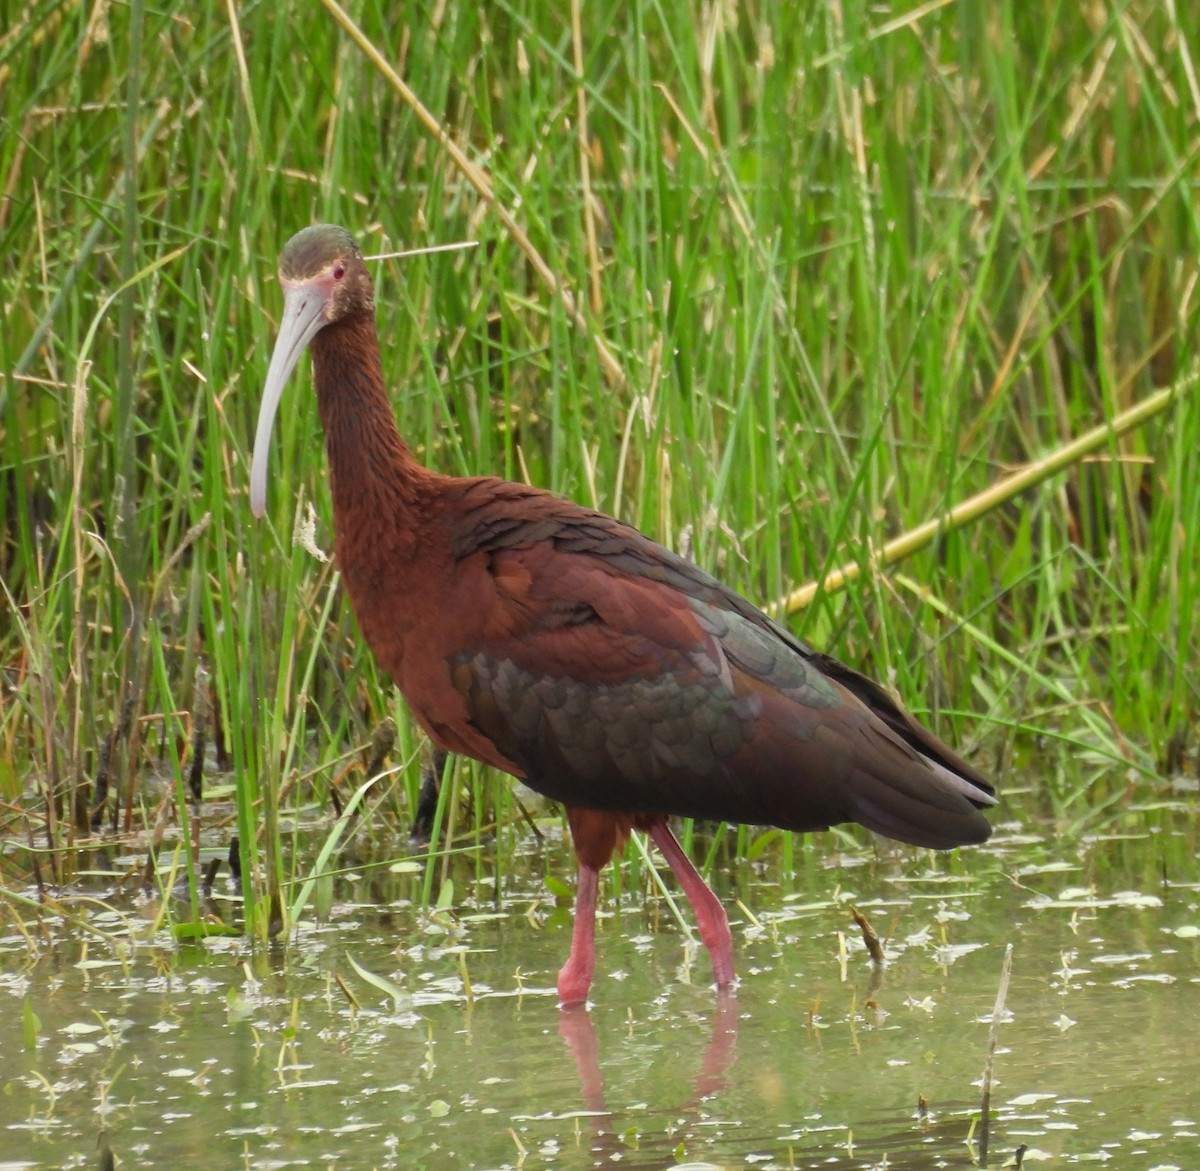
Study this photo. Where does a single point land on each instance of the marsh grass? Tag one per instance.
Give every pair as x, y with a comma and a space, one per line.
852, 265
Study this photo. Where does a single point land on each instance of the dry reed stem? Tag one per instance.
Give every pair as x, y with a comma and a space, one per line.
585, 164
990, 1060
479, 179
993, 496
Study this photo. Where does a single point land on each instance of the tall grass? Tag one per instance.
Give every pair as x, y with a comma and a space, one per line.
854, 263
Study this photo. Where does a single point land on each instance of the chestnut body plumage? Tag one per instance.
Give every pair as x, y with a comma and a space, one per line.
568, 649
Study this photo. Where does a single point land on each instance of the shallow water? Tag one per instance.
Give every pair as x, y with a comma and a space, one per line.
216, 1055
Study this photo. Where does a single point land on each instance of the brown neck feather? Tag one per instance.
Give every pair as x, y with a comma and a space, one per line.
372, 472
382, 498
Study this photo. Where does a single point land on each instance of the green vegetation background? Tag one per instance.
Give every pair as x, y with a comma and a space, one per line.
856, 262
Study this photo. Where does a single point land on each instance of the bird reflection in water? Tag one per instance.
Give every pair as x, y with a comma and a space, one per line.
578, 1030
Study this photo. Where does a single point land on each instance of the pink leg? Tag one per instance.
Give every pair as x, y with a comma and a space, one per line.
575, 977
711, 920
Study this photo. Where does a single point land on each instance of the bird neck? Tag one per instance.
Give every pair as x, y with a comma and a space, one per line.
372, 472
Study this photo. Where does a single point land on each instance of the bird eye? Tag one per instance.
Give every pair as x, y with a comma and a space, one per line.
339, 271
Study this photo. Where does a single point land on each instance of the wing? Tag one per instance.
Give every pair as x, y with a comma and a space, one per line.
618, 676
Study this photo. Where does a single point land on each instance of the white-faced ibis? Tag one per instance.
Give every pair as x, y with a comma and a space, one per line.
566, 648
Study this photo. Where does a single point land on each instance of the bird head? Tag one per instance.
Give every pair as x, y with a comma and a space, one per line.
324, 281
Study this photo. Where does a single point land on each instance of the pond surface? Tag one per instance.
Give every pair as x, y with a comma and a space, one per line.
217, 1055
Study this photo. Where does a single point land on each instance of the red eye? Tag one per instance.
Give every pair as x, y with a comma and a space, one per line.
339, 271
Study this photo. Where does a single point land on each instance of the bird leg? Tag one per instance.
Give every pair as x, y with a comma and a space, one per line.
575, 976
711, 920
597, 835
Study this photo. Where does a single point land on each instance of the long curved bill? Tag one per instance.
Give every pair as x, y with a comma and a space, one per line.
303, 315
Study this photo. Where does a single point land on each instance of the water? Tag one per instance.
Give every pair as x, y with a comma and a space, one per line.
215, 1055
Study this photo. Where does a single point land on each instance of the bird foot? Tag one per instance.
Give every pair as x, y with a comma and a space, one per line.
574, 983
717, 938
